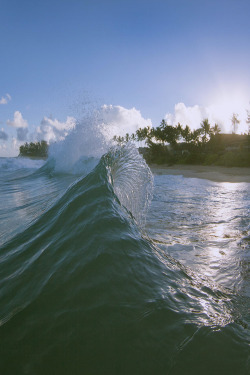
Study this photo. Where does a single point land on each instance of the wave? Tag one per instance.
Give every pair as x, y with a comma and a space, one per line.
131, 179
85, 291
10, 166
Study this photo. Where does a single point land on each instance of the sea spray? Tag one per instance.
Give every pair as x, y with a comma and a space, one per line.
82, 149
91, 137
85, 144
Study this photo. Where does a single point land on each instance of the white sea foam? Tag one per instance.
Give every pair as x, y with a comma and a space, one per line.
81, 150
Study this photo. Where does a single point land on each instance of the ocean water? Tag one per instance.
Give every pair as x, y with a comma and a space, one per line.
107, 269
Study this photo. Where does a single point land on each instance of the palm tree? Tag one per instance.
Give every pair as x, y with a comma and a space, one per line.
205, 129
216, 129
140, 135
133, 137
248, 121
195, 137
235, 121
186, 134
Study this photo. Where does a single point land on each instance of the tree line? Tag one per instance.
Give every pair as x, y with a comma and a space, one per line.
180, 145
38, 149
168, 134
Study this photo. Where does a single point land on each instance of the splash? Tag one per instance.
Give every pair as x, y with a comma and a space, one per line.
81, 150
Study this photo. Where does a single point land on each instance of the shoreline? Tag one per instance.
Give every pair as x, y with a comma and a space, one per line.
208, 172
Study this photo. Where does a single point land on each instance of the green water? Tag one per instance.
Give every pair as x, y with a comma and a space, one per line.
89, 287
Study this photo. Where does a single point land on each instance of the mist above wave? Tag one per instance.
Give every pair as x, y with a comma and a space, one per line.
84, 143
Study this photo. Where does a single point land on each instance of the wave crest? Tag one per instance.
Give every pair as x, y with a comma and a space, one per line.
131, 178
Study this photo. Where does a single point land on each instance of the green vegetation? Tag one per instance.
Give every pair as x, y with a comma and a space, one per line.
179, 145
37, 149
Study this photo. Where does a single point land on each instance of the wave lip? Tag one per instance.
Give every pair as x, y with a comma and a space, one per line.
131, 178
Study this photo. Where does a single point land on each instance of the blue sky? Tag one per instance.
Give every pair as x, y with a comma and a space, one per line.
150, 55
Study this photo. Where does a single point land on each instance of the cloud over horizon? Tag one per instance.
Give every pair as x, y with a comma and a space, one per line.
191, 116
21, 126
120, 120
18, 121
117, 120
52, 130
216, 114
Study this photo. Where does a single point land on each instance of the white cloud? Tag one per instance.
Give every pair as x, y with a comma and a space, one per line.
18, 121
191, 116
53, 130
220, 113
3, 135
109, 121
5, 99
118, 120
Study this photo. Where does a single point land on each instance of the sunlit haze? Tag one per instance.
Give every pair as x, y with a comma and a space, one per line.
219, 110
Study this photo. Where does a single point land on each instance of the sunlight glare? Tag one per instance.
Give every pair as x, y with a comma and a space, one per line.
227, 101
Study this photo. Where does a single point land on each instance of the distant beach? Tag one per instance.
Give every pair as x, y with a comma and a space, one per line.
213, 173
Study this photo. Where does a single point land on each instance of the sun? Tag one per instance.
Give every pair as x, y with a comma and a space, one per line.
226, 102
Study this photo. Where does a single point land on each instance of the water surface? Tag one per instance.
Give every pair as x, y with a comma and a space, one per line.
95, 279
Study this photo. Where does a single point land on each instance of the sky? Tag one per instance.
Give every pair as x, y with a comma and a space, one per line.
137, 61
